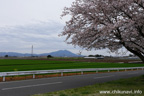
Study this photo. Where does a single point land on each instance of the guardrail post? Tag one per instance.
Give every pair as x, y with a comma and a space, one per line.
3, 78
96, 71
33, 76
81, 72
61, 73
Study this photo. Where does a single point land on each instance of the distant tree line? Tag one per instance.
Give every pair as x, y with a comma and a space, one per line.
49, 56
97, 55
6, 56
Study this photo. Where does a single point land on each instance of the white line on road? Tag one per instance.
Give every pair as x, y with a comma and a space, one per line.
134, 73
31, 86
103, 77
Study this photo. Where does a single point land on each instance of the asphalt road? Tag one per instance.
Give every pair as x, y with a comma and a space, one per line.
36, 86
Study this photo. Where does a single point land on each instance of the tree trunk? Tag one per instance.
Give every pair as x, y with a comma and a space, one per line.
141, 57
136, 53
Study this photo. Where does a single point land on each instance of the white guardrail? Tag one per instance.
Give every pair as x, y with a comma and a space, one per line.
16, 73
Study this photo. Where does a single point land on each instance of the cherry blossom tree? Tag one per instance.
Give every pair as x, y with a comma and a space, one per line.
112, 24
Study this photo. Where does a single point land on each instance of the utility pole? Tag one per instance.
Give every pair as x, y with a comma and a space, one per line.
32, 51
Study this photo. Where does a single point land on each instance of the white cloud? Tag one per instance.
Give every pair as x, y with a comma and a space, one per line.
43, 36
22, 12
40, 35
23, 23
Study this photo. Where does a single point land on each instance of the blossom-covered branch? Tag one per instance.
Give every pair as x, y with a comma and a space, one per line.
100, 24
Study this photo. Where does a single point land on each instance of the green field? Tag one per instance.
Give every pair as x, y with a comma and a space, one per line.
25, 65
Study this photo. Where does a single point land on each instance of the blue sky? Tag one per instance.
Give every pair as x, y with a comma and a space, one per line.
24, 23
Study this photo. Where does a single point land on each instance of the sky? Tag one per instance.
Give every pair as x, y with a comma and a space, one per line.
24, 23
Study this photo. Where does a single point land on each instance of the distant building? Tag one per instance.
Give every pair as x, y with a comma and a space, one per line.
94, 57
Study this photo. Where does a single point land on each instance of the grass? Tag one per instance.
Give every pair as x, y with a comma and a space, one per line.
26, 65
129, 85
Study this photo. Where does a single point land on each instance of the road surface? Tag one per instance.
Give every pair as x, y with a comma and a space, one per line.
37, 86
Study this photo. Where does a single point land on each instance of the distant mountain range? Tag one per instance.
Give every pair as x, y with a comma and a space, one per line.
60, 53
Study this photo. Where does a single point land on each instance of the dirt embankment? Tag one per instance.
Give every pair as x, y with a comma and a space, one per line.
99, 60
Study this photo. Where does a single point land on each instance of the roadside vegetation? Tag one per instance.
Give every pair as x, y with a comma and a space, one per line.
127, 87
26, 65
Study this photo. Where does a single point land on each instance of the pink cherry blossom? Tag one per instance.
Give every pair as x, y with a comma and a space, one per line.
112, 24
